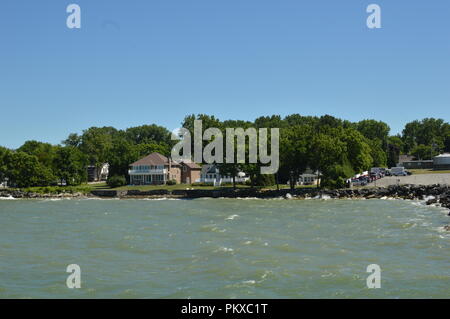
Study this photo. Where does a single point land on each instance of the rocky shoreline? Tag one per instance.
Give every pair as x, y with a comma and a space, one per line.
433, 194
438, 195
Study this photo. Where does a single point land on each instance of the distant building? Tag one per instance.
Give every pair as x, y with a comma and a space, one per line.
441, 162
4, 183
210, 174
154, 169
309, 177
404, 158
97, 175
426, 164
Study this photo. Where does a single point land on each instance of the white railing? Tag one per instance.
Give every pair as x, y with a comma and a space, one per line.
147, 171
224, 180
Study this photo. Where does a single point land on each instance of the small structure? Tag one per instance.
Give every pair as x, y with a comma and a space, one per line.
425, 164
404, 158
4, 183
98, 174
441, 162
154, 169
210, 174
309, 177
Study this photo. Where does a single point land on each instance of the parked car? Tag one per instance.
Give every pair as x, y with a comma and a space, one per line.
398, 171
361, 181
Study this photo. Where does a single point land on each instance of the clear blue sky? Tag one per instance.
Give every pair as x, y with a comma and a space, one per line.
139, 62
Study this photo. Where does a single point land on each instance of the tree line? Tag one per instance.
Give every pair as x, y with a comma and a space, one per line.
335, 147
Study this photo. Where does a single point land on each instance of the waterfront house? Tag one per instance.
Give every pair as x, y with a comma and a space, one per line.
210, 174
98, 174
154, 169
190, 172
309, 177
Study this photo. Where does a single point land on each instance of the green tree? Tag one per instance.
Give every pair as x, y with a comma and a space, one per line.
372, 130
429, 131
121, 154
148, 134
70, 165
358, 150
295, 152
423, 152
395, 146
4, 152
24, 170
96, 143
327, 152
45, 152
72, 140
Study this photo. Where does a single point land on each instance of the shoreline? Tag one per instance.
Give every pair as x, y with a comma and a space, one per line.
433, 194
436, 195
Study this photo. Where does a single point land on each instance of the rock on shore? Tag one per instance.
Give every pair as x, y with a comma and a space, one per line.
7, 193
432, 194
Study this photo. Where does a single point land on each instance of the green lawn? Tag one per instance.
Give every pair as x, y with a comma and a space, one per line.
427, 171
87, 188
186, 186
84, 188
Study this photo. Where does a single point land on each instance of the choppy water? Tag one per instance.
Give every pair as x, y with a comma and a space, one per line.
223, 248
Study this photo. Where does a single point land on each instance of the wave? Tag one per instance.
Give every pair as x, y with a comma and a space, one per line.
323, 197
162, 198
8, 198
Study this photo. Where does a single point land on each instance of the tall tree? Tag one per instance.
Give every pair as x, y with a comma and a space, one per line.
70, 165
96, 143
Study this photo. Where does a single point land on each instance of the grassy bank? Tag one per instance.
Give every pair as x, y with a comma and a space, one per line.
84, 189
87, 188
427, 171
186, 186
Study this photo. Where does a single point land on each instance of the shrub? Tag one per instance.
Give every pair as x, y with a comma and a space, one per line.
171, 182
116, 181
201, 184
265, 180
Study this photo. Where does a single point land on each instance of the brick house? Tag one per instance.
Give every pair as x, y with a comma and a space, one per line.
190, 173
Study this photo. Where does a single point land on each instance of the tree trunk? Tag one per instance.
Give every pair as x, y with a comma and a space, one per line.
318, 179
234, 182
291, 181
98, 172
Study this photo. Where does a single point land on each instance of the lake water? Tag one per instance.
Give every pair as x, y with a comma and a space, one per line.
223, 248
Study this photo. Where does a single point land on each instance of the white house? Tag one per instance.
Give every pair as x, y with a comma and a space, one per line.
4, 183
97, 175
210, 174
309, 178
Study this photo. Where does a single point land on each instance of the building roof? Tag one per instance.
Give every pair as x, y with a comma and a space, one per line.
154, 159
418, 161
443, 155
405, 158
191, 165
209, 169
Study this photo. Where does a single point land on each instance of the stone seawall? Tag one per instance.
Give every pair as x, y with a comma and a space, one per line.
434, 194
